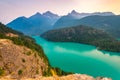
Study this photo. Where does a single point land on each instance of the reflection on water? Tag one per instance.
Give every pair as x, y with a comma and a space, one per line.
80, 58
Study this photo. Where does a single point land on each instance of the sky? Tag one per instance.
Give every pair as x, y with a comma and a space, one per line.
11, 9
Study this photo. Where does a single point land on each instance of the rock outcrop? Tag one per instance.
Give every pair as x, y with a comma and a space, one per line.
19, 61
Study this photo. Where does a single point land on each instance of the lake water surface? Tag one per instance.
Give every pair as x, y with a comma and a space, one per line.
81, 58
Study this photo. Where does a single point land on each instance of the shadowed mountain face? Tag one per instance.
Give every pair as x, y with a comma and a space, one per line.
111, 24
21, 24
34, 25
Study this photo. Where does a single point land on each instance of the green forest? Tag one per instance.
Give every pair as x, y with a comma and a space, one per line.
84, 34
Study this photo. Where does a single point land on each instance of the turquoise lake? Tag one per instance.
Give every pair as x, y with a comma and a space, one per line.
81, 58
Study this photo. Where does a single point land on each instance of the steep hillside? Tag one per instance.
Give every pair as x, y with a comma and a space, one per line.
20, 56
84, 34
19, 61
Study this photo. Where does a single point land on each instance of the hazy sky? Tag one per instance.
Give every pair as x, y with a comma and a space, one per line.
10, 9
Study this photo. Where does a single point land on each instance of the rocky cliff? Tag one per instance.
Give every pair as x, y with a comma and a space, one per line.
19, 61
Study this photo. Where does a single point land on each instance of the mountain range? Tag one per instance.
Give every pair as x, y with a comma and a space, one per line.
35, 24
40, 23
71, 18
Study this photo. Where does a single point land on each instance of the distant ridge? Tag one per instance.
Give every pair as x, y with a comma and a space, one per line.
40, 23
82, 15
71, 18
